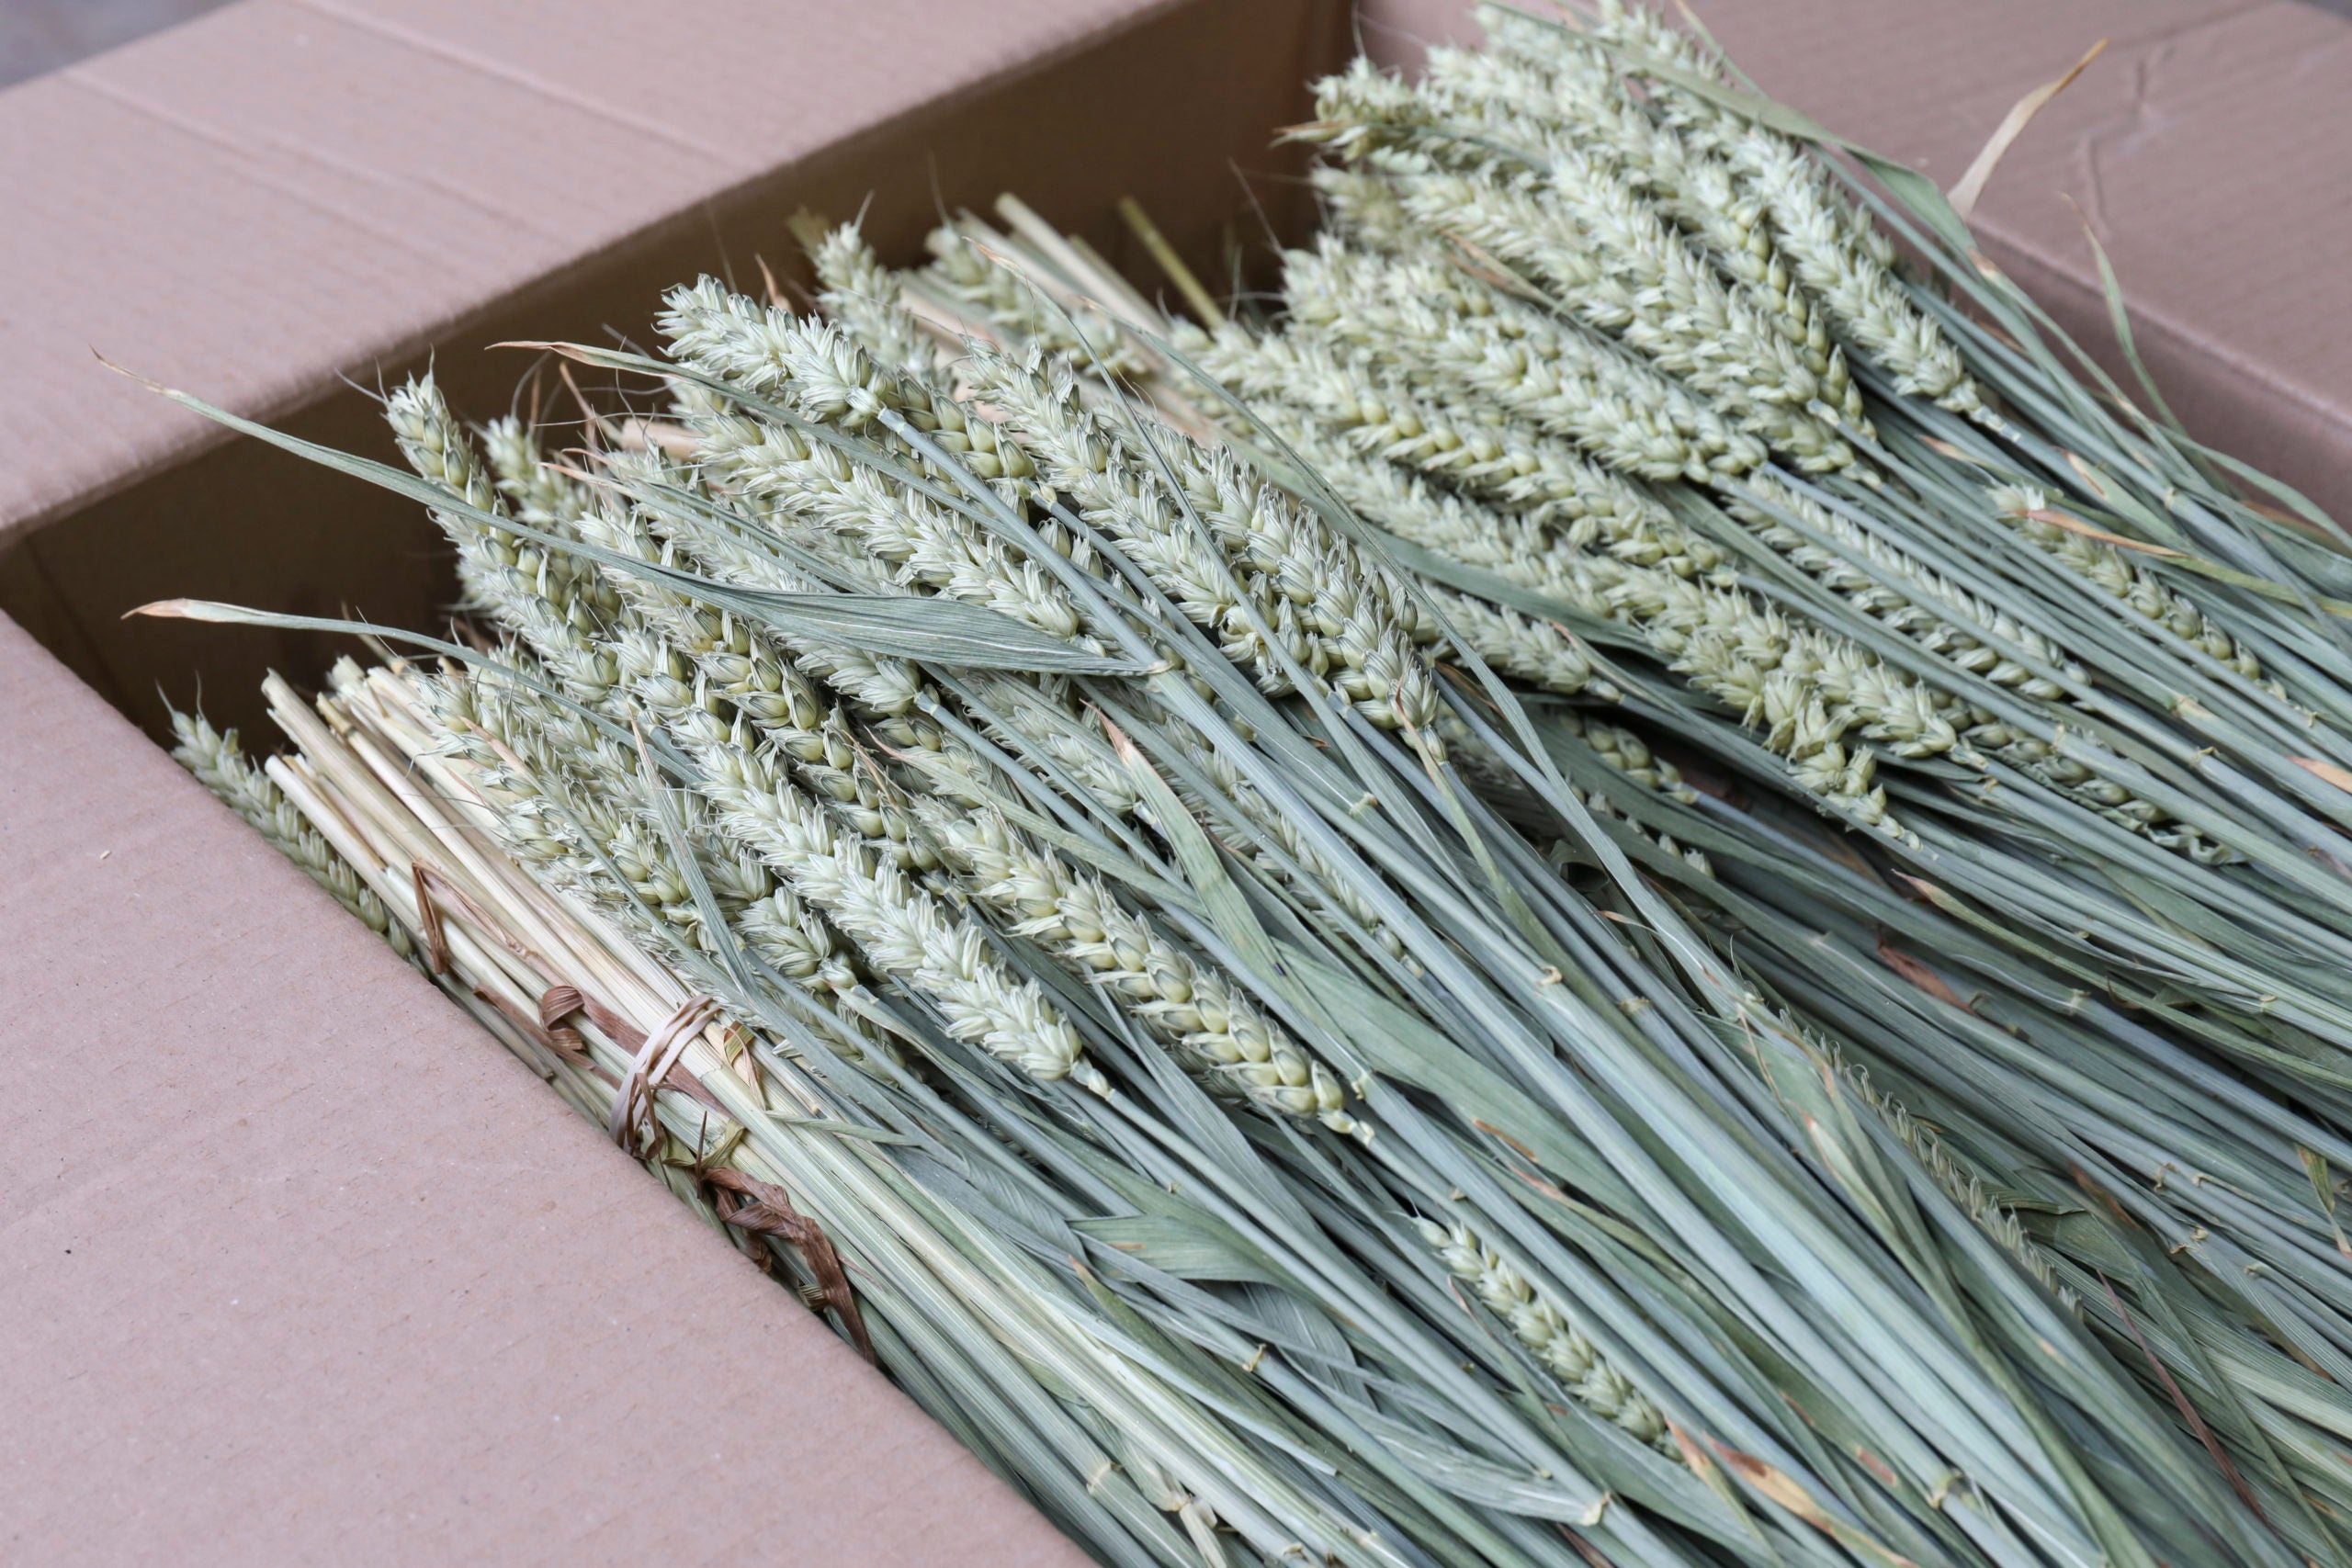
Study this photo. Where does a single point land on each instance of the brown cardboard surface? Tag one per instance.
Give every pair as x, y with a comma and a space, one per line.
2208, 147
297, 1267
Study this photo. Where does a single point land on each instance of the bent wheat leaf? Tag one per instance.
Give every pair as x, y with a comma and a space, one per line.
949, 631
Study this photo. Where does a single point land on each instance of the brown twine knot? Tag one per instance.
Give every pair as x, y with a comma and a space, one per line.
633, 1104
748, 1205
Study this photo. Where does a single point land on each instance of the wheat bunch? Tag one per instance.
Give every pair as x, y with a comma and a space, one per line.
1208, 533
901, 930
1474, 336
1177, 999
1476, 347
569, 805
1536, 99
828, 376
760, 463
1381, 306
950, 1304
688, 661
1837, 252
1726, 1233
1597, 250
1468, 344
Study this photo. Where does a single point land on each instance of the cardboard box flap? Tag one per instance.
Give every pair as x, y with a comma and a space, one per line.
265, 197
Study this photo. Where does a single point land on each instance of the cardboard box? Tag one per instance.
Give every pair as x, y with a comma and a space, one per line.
297, 1268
